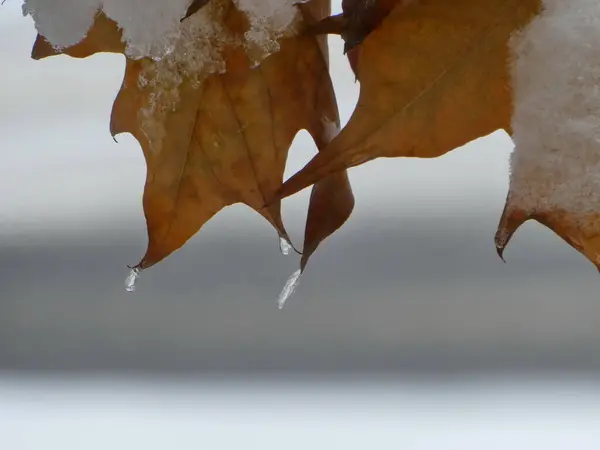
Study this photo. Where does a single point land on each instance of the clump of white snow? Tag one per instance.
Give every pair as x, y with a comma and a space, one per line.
62, 22
556, 121
151, 28
269, 21
195, 55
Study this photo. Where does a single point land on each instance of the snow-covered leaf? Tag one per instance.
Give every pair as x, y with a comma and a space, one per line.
555, 167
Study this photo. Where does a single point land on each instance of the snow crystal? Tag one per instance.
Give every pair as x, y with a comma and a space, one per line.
150, 27
192, 49
556, 126
198, 52
195, 54
269, 21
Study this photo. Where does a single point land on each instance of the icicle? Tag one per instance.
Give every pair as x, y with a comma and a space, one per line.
134, 274
290, 287
284, 246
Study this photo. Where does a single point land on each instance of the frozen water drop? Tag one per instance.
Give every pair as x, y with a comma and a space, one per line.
289, 288
134, 274
284, 246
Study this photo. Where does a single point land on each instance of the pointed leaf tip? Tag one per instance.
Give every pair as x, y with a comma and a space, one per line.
412, 104
500, 251
583, 234
42, 49
510, 221
331, 204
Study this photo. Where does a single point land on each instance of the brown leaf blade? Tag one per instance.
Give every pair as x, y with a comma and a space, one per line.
433, 77
362, 17
332, 200
225, 141
331, 203
581, 234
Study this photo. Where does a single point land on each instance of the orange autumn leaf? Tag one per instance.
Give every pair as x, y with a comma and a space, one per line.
223, 138
357, 20
362, 17
331, 200
331, 203
583, 234
434, 76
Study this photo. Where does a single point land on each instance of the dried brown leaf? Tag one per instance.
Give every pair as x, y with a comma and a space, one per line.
226, 141
581, 233
434, 76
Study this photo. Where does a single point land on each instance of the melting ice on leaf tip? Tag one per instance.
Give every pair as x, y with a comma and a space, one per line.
284, 246
131, 279
289, 288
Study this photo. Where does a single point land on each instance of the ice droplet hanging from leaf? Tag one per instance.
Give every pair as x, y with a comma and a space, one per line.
289, 288
131, 279
284, 246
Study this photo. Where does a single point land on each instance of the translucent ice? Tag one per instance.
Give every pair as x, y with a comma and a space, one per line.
289, 288
284, 246
134, 274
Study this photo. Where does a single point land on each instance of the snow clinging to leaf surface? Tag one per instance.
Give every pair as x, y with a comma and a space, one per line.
556, 131
151, 28
269, 20
62, 22
191, 49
